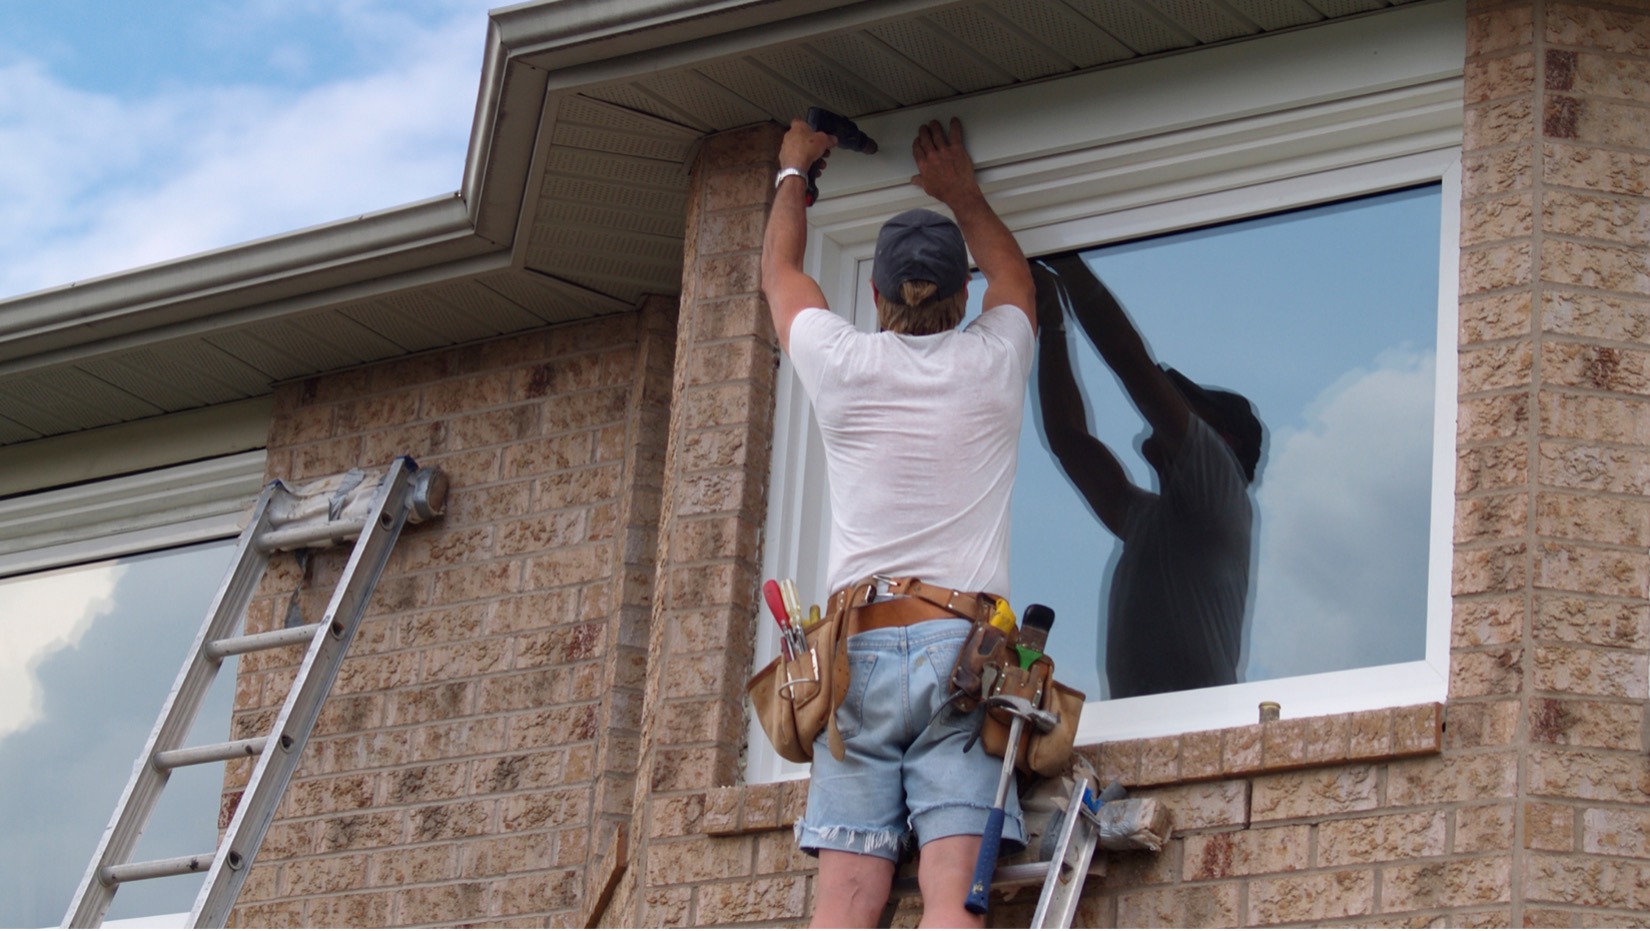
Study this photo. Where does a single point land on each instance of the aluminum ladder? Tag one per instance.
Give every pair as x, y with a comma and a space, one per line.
322, 514
1073, 852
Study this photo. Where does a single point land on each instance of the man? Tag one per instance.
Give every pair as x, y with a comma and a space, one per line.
920, 424
1174, 616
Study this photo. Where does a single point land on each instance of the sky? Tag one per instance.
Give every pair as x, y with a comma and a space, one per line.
135, 133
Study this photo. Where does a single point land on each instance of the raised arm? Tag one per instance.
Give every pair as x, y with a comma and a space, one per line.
1092, 466
788, 289
946, 173
1120, 344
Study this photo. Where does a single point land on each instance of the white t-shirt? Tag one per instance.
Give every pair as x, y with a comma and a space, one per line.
921, 442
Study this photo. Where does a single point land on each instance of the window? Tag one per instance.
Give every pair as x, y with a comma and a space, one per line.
1340, 138
88, 653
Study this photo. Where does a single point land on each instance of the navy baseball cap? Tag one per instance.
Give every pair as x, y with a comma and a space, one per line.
920, 245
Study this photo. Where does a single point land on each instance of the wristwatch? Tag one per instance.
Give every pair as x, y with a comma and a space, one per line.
788, 173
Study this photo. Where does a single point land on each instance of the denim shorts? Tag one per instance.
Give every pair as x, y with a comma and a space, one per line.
903, 777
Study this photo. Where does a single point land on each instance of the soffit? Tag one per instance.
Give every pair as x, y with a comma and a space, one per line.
575, 188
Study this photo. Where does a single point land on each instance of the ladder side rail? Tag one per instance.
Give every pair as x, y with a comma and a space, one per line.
137, 801
1068, 869
311, 685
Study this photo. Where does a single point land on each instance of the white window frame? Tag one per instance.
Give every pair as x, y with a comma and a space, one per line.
153, 510
1252, 128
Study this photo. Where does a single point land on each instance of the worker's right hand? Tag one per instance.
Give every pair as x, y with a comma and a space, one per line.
803, 148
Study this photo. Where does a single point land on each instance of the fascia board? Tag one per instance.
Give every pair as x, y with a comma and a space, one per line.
584, 42
433, 232
477, 220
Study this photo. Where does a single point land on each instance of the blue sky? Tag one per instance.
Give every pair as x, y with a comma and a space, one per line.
133, 133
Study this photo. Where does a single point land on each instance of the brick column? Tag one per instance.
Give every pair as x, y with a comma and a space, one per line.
714, 505
1555, 440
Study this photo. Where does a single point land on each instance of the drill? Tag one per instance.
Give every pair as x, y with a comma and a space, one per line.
848, 136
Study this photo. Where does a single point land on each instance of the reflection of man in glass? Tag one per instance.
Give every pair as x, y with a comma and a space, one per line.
1176, 604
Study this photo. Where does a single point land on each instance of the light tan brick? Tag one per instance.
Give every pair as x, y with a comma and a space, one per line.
1588, 881
1314, 793
767, 899
1610, 725
1431, 781
1244, 853
1315, 897
1205, 805
1485, 828
1576, 567
1449, 884
1496, 317
1493, 267
1591, 621
1202, 906
1616, 832
1592, 316
1482, 724
1486, 673
1595, 775
324, 875
441, 904
698, 861
1488, 622
1589, 672
1494, 467
1354, 841
1491, 517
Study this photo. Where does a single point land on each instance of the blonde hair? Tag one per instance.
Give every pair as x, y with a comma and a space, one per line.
918, 313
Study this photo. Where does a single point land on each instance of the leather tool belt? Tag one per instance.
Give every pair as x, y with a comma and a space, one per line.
796, 699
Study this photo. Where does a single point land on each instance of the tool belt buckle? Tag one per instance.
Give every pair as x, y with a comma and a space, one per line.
882, 586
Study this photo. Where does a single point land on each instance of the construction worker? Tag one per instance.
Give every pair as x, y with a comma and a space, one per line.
921, 423
1178, 595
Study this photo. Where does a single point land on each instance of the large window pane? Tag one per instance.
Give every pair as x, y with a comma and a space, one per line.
87, 657
1325, 318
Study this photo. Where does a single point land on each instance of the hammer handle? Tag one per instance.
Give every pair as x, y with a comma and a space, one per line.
979, 891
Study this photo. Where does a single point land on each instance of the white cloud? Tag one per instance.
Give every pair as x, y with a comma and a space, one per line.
1343, 509
40, 615
92, 184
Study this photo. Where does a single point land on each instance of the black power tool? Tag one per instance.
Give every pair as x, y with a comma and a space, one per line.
848, 136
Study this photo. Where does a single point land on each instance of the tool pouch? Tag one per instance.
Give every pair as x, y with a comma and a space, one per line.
796, 700
987, 652
1044, 754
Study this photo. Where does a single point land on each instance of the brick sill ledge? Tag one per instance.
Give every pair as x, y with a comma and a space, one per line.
1200, 756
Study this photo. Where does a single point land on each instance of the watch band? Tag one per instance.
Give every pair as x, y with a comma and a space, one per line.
788, 173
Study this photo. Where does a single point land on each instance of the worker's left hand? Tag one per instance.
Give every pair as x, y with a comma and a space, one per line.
944, 169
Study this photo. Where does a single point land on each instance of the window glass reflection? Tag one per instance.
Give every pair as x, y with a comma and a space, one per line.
87, 657
1325, 320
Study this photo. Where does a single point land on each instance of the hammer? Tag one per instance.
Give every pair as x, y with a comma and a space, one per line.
1021, 711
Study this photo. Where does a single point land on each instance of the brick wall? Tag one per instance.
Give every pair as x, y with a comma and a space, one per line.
543, 720
476, 760
1519, 801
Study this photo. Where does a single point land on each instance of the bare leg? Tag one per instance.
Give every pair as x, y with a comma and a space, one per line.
852, 890
944, 872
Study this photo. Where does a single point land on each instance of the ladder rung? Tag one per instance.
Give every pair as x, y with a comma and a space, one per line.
291, 538
268, 640
209, 753
154, 869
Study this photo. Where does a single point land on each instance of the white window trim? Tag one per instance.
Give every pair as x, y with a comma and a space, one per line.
146, 511
1243, 130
